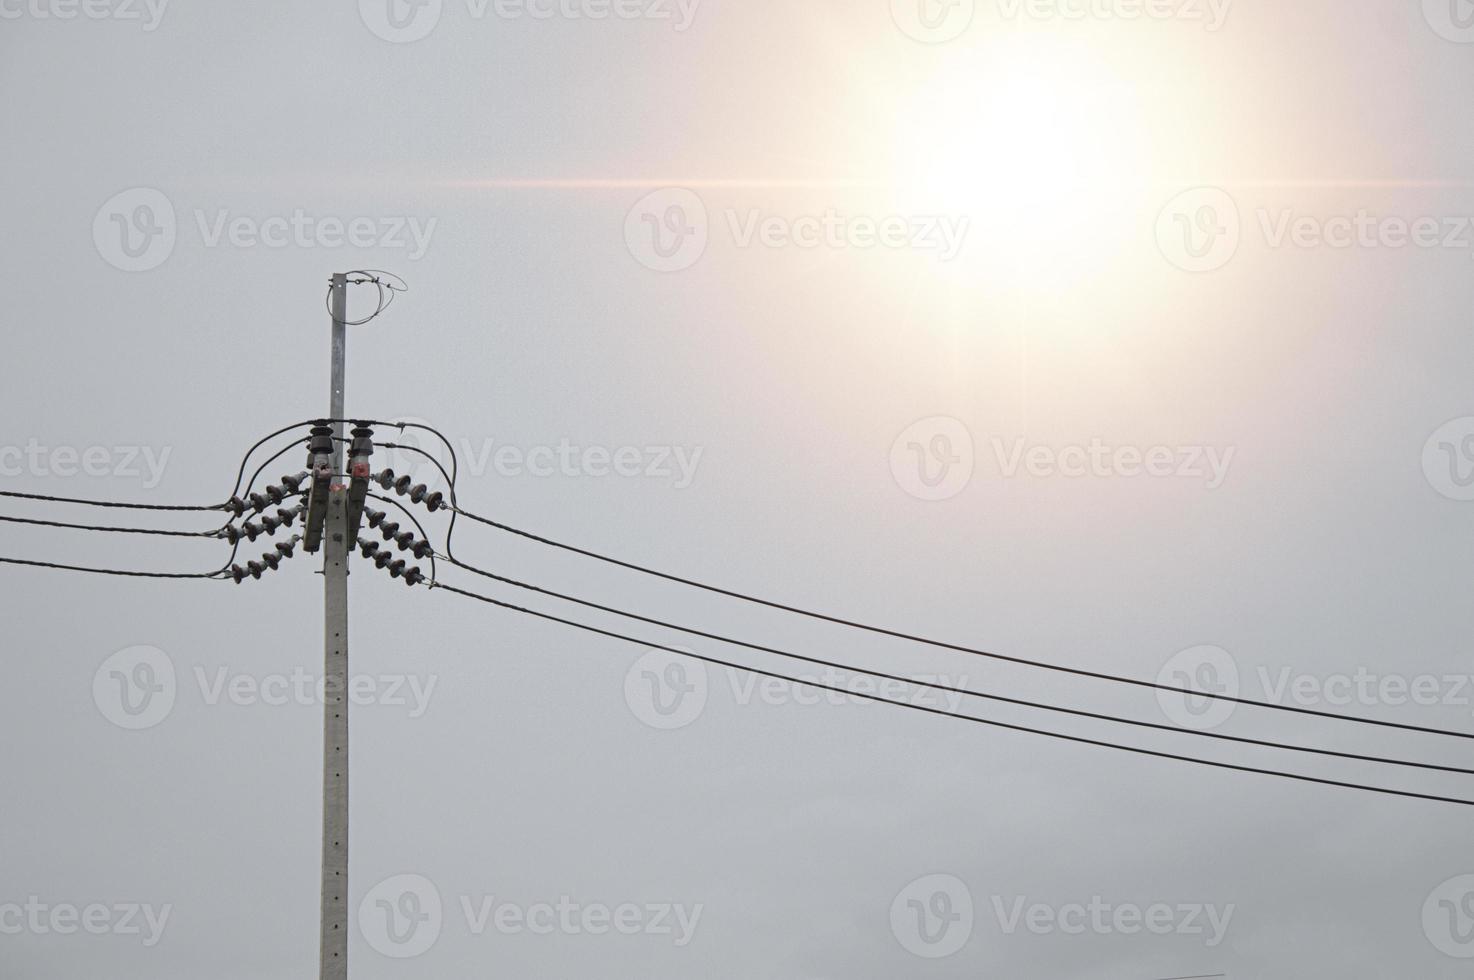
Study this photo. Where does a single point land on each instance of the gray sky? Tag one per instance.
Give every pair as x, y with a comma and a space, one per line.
1136, 343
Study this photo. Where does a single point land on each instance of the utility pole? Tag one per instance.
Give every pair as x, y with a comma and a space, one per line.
338, 545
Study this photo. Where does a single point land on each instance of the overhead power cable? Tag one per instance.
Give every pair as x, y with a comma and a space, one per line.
112, 530
1061, 736
909, 637
967, 692
108, 571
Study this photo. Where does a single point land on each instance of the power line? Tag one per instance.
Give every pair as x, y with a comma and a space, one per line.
109, 571
113, 530
910, 637
968, 692
107, 503
715, 661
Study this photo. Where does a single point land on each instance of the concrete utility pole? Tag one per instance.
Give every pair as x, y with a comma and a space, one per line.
338, 545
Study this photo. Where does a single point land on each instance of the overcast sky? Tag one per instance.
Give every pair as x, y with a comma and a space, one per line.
1126, 335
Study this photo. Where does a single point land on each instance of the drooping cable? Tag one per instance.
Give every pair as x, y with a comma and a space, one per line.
1046, 733
910, 637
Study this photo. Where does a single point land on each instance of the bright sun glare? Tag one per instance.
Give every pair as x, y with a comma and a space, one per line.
1035, 148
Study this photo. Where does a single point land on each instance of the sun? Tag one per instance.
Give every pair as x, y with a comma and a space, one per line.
1033, 144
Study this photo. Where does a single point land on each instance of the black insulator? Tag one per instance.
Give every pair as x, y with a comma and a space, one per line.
236, 506
388, 529
369, 548
375, 517
260, 503
405, 540
402, 485
383, 558
294, 483
272, 559
435, 501
414, 576
321, 443
286, 515
396, 568
386, 479
362, 446
238, 573
275, 494
251, 531
271, 524
422, 549
288, 548
417, 493
255, 568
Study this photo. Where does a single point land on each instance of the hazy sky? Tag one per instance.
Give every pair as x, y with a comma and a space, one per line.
1124, 334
